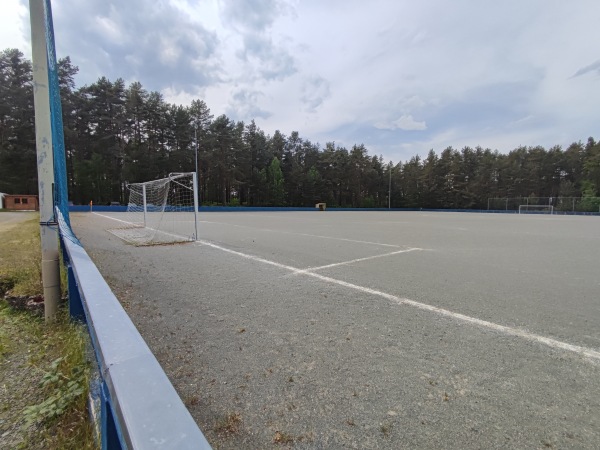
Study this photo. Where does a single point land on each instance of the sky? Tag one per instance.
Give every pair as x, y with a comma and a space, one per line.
399, 76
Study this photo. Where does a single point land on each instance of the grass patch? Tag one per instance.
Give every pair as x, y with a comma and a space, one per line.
228, 424
191, 401
281, 437
45, 372
385, 429
44, 368
20, 258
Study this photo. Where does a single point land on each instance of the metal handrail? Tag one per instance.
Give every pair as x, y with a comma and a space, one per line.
140, 408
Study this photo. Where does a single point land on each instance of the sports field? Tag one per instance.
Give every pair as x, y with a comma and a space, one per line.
372, 329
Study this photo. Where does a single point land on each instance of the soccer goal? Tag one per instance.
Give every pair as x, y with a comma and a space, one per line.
536, 209
161, 211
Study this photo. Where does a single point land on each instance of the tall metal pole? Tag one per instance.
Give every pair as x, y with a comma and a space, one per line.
43, 143
195, 181
390, 188
196, 148
196, 185
144, 203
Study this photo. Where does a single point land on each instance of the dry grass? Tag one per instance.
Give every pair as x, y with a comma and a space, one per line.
229, 424
20, 257
39, 363
385, 429
32, 347
283, 438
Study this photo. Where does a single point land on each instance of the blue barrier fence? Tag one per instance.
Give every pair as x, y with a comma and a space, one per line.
139, 407
86, 208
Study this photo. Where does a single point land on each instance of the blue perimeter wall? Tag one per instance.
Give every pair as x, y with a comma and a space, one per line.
86, 208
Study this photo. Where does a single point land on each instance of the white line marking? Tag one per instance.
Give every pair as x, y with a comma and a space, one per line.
345, 263
112, 218
584, 351
185, 238
251, 257
383, 222
303, 234
482, 323
343, 239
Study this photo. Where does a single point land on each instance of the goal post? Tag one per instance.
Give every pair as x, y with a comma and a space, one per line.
536, 209
161, 211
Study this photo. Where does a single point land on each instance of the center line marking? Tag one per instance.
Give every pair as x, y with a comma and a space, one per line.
584, 351
345, 263
303, 234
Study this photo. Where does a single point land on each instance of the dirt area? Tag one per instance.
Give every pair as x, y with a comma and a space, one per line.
266, 356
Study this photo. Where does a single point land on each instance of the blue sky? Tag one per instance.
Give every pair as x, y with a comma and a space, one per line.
402, 77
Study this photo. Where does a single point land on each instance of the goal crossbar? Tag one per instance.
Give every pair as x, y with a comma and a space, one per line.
536, 209
162, 211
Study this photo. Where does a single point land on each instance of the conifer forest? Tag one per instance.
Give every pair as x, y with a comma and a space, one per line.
117, 134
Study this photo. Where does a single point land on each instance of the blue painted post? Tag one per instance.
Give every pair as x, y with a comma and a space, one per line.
65, 254
75, 306
110, 435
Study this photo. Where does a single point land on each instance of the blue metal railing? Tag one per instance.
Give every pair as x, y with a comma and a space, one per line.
139, 407
202, 209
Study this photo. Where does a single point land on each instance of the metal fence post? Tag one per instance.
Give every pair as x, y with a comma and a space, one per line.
45, 160
75, 307
110, 435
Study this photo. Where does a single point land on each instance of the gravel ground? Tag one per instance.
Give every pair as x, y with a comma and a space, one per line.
293, 359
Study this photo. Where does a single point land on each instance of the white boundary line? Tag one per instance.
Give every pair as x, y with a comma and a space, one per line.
186, 238
113, 218
303, 234
553, 343
345, 263
584, 351
339, 239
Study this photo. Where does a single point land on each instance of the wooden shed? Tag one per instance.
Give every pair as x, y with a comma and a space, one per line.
21, 202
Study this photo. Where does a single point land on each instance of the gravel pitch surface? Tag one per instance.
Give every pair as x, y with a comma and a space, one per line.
352, 355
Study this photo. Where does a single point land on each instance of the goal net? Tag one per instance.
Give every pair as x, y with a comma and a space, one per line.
536, 209
162, 211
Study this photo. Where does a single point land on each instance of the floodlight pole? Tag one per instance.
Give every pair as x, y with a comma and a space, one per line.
45, 160
390, 188
144, 203
196, 148
196, 184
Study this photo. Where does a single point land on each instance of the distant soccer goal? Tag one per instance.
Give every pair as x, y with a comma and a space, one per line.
536, 209
161, 211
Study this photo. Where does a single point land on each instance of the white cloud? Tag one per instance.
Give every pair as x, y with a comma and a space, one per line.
168, 52
315, 90
488, 73
405, 122
594, 67
14, 26
106, 27
246, 103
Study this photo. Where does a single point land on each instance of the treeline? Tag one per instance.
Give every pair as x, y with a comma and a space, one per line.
117, 134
